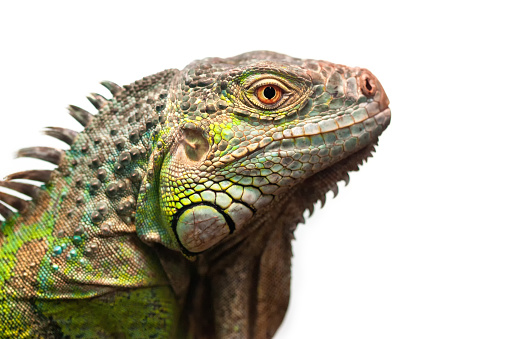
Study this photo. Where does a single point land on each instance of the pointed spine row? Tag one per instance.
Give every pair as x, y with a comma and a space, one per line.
10, 200
26, 189
13, 201
5, 212
97, 100
82, 116
48, 154
35, 175
63, 134
112, 87
7, 200
16, 202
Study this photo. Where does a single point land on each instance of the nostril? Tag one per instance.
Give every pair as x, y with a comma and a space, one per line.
368, 85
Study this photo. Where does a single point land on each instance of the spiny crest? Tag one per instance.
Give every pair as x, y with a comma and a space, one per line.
63, 134
97, 100
112, 87
29, 190
82, 116
316, 187
54, 156
49, 154
35, 175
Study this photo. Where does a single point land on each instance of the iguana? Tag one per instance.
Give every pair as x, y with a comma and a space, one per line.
171, 215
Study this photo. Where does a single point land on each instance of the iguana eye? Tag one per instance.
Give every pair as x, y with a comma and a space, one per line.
269, 94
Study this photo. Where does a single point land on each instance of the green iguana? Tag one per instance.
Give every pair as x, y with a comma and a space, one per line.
172, 213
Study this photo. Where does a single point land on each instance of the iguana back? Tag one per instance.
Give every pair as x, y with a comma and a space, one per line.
172, 213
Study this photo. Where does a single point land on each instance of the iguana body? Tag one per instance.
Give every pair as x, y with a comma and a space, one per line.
172, 213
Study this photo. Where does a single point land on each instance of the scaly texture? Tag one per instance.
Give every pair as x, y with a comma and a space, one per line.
172, 213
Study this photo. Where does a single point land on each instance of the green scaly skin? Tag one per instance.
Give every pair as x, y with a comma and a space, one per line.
172, 213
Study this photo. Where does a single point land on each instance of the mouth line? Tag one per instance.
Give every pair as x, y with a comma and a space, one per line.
359, 116
330, 125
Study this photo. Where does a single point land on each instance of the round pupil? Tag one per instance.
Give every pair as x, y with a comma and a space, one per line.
269, 92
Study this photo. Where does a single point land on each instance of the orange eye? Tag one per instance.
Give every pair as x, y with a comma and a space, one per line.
269, 94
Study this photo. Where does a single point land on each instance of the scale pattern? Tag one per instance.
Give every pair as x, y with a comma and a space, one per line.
172, 213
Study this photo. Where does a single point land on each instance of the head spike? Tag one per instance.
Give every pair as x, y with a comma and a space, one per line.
97, 100
36, 175
26, 189
64, 134
13, 201
48, 154
112, 87
5, 212
82, 116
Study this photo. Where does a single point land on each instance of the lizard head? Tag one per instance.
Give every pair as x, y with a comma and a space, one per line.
240, 133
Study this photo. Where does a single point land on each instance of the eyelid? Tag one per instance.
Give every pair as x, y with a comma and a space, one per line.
268, 81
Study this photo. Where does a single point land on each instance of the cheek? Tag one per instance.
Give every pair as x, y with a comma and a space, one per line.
198, 214
200, 227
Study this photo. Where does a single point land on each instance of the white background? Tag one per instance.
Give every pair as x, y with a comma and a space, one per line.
417, 245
